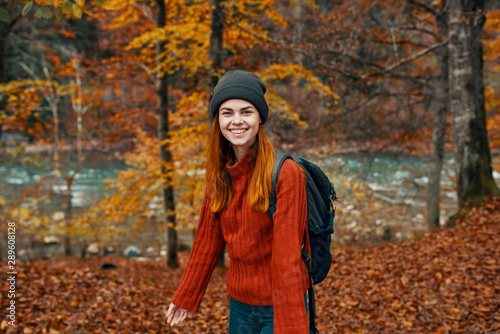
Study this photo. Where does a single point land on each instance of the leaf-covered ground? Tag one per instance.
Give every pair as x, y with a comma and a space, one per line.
446, 282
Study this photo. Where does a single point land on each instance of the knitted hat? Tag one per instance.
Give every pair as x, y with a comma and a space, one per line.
240, 85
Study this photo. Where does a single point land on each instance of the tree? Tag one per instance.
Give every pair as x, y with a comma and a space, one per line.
10, 13
163, 136
216, 55
472, 153
439, 107
54, 91
166, 69
8, 21
216, 49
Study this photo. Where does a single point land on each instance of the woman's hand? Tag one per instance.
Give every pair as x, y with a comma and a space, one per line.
175, 314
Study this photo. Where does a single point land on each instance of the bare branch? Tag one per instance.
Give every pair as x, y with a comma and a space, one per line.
423, 6
406, 60
151, 76
281, 44
343, 73
394, 42
28, 69
33, 75
364, 10
421, 30
146, 10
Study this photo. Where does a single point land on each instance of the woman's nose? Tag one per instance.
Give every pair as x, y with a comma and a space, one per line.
237, 119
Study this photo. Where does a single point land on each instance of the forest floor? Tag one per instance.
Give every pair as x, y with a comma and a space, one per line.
446, 282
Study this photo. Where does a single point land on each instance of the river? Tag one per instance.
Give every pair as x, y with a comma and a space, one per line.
376, 190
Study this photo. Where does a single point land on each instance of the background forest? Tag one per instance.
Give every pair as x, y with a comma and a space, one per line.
104, 120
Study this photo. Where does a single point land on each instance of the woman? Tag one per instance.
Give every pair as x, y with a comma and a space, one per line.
267, 277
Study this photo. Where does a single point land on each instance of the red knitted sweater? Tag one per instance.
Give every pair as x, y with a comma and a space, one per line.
266, 267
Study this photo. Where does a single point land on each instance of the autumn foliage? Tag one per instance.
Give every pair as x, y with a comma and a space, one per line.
342, 76
446, 282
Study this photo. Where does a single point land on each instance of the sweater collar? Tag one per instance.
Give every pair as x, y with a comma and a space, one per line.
241, 167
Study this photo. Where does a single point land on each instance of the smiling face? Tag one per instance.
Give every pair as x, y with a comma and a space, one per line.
239, 123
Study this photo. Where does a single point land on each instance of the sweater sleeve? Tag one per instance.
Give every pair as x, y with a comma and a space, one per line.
208, 246
289, 275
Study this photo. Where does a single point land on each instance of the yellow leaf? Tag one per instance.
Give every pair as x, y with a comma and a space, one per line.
407, 323
77, 10
483, 309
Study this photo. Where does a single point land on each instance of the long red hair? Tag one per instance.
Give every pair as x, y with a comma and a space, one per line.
217, 177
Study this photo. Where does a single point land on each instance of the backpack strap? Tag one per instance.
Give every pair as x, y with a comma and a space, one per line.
273, 199
312, 310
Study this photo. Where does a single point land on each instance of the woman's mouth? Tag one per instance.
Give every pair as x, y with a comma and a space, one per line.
238, 131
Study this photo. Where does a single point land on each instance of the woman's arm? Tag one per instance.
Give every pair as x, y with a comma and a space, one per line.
208, 246
289, 275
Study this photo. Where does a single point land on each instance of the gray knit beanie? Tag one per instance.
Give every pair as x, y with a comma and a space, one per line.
240, 85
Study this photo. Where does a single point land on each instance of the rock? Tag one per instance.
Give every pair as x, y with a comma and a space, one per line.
132, 251
93, 249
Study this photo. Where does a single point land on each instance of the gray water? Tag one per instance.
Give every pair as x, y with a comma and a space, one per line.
395, 180
87, 188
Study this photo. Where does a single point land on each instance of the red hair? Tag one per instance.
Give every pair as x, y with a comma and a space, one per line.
217, 177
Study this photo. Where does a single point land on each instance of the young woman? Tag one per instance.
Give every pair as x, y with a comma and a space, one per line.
267, 277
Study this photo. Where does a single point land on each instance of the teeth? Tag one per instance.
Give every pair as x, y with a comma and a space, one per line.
238, 131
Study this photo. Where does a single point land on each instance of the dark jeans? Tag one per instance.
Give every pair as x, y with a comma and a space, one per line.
248, 319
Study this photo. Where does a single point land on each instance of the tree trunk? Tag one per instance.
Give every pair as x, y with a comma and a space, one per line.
163, 134
439, 106
216, 50
56, 156
67, 217
83, 251
53, 101
216, 54
477, 27
472, 153
4, 31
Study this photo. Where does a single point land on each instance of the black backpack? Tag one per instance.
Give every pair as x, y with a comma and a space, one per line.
320, 214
